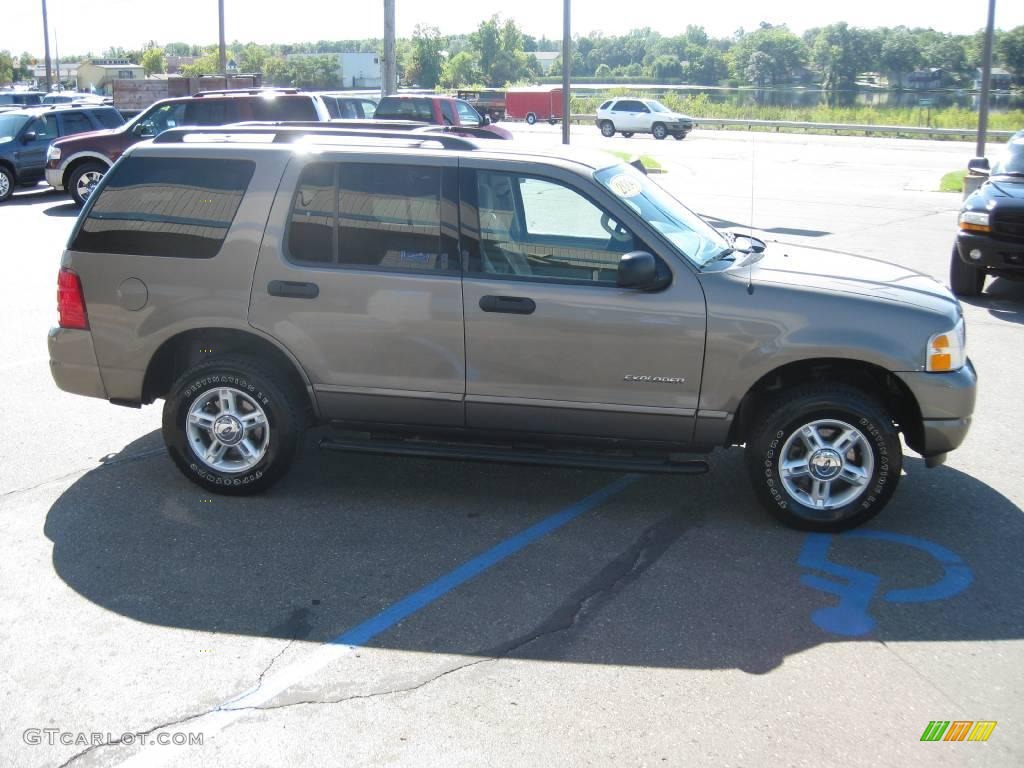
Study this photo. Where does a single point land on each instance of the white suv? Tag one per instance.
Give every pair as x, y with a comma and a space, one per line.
629, 116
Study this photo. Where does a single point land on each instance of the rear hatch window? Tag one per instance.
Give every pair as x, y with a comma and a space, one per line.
162, 206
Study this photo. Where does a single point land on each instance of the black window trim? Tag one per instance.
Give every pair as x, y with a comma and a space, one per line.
448, 191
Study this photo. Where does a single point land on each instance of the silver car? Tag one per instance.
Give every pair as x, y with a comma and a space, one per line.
436, 297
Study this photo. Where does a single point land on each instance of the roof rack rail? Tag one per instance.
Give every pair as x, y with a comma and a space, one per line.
289, 133
245, 91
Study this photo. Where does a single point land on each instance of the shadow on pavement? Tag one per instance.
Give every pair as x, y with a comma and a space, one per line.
1004, 299
672, 572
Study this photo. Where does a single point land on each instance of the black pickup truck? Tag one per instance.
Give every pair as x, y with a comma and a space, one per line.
991, 236
486, 102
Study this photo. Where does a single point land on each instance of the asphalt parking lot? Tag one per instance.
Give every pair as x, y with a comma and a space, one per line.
372, 611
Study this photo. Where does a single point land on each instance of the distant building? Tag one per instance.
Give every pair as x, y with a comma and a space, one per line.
98, 75
546, 59
173, 64
1001, 80
355, 70
68, 72
925, 79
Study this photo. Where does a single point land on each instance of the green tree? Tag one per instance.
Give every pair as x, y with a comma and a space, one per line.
899, 55
1010, 50
178, 49
603, 70
709, 67
837, 52
153, 61
425, 60
666, 68
207, 64
486, 42
252, 58
461, 69
6, 67
780, 54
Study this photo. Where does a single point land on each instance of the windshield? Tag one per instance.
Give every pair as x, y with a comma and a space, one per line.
698, 240
10, 125
1011, 163
656, 106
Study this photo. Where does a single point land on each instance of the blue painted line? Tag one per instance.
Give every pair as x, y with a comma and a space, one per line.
410, 604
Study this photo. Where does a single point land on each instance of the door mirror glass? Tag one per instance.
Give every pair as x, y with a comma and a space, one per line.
29, 136
638, 269
978, 166
143, 129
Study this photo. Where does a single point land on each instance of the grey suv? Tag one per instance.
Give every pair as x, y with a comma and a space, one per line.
437, 297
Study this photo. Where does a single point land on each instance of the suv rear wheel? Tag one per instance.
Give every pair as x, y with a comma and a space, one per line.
6, 183
824, 458
964, 279
607, 129
84, 180
232, 427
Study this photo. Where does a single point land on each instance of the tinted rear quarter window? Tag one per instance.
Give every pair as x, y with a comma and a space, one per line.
405, 109
212, 112
108, 118
162, 206
75, 122
284, 108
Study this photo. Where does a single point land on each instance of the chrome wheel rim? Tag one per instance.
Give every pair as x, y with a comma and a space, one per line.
826, 464
87, 183
228, 430
659, 132
5, 185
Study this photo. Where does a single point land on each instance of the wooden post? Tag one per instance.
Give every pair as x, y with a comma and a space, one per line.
46, 49
389, 70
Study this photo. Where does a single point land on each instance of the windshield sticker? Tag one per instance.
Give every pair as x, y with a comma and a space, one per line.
624, 186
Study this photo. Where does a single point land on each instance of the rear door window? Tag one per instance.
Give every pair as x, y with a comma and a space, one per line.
283, 108
74, 122
157, 206
108, 118
371, 216
212, 112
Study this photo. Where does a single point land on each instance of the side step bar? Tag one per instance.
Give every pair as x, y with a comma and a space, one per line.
499, 455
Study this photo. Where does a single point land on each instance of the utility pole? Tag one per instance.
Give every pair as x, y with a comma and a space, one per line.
389, 72
986, 80
223, 60
566, 67
56, 58
46, 49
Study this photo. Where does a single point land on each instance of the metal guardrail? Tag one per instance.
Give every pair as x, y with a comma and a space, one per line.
909, 130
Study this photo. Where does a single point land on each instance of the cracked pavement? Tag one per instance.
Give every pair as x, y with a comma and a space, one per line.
667, 626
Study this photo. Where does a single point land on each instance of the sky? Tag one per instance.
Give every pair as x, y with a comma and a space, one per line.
101, 24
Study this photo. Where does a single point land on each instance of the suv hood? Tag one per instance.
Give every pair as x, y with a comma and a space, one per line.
88, 135
1005, 187
858, 275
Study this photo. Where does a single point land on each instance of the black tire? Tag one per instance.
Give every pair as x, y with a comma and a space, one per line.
678, 136
74, 181
282, 406
777, 430
531, 118
627, 134
552, 121
607, 129
965, 280
659, 131
6, 184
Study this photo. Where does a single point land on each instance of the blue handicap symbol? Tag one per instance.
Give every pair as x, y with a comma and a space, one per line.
857, 588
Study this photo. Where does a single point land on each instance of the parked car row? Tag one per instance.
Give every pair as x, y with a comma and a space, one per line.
74, 152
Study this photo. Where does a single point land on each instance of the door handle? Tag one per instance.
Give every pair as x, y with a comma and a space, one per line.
512, 305
291, 290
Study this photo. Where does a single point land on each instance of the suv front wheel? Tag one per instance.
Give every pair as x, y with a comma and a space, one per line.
824, 458
659, 131
84, 180
232, 427
964, 279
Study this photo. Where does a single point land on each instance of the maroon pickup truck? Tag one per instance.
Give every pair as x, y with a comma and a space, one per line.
437, 110
76, 165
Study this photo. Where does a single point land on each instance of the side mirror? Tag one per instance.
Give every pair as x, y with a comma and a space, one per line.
29, 136
487, 120
640, 270
143, 129
978, 166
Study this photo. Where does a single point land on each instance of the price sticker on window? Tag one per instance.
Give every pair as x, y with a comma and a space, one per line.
624, 186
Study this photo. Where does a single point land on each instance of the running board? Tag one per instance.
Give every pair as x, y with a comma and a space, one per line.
498, 455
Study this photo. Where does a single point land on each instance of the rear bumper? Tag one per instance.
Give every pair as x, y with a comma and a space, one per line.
995, 253
946, 401
73, 362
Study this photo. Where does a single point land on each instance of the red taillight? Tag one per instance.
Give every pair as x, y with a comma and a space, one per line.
71, 301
